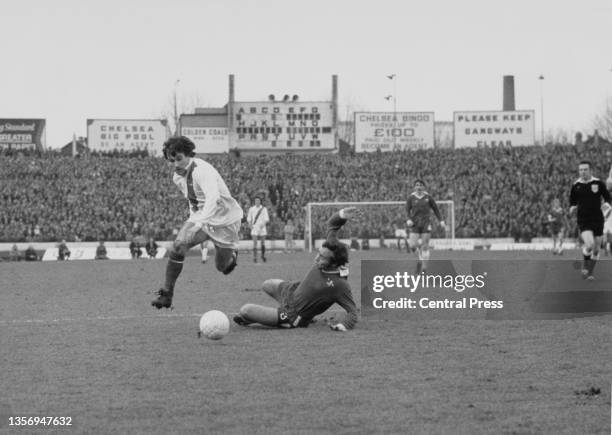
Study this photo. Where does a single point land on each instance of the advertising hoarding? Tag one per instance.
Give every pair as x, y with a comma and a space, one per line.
393, 131
22, 134
127, 135
208, 140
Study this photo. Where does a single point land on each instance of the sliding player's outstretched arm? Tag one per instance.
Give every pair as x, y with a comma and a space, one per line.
344, 298
335, 223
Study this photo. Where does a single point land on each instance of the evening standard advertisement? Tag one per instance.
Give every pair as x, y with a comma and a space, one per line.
208, 140
22, 134
127, 135
494, 128
284, 126
389, 131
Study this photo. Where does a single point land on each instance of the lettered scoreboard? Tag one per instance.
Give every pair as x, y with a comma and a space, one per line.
291, 125
494, 128
390, 131
127, 134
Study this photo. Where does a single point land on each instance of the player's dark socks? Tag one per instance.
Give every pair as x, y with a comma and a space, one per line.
263, 252
173, 270
591, 266
586, 259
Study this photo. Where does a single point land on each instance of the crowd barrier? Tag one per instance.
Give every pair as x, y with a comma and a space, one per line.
79, 253
121, 251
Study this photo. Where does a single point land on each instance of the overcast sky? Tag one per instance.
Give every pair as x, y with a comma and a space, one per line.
69, 60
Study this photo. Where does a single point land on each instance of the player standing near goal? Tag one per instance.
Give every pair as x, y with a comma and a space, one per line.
557, 224
213, 215
258, 218
419, 206
586, 199
325, 284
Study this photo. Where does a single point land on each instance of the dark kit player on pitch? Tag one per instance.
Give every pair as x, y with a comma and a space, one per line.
325, 284
586, 199
213, 215
419, 206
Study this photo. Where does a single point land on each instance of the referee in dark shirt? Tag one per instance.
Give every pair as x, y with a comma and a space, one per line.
586, 199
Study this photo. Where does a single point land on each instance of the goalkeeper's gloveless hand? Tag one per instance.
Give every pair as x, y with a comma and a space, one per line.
351, 213
409, 223
338, 327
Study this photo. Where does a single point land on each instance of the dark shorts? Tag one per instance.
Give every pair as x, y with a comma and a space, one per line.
287, 316
595, 226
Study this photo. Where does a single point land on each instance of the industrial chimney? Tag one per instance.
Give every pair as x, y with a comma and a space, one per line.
509, 93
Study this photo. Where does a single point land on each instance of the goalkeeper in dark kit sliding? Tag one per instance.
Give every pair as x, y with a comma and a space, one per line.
325, 284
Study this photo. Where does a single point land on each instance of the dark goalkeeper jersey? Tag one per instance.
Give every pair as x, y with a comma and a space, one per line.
419, 208
556, 217
588, 196
320, 289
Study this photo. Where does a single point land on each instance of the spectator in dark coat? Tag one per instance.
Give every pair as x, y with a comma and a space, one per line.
31, 254
101, 252
63, 253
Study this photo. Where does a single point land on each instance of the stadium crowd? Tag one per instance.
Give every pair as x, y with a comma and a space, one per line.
497, 192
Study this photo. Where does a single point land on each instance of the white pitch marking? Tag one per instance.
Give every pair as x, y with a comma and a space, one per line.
89, 319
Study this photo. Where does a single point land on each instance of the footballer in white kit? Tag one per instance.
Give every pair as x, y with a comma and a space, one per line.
213, 215
258, 218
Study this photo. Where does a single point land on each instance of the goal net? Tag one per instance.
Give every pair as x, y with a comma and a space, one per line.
378, 225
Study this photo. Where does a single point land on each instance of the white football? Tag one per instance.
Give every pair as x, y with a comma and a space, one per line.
214, 325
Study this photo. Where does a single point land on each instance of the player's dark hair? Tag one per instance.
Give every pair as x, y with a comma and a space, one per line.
180, 144
585, 162
418, 180
340, 251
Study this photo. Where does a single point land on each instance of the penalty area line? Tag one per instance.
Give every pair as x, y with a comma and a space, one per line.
93, 319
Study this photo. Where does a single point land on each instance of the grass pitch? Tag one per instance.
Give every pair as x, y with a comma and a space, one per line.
80, 339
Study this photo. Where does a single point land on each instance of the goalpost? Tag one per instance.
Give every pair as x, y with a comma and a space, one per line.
379, 217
